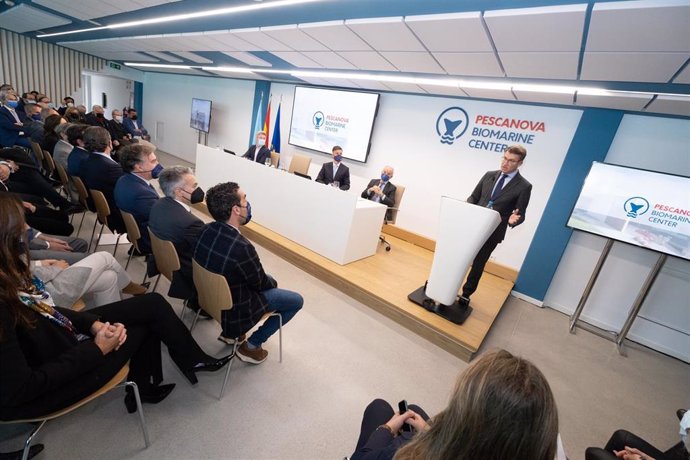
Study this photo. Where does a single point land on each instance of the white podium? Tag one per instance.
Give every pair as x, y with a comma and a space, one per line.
463, 230
336, 224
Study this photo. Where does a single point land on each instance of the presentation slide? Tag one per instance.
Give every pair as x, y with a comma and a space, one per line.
644, 208
201, 115
322, 118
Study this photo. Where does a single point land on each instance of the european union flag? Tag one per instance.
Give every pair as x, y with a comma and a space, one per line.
276, 132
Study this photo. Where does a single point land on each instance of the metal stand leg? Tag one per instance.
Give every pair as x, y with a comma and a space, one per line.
590, 284
142, 421
29, 440
641, 296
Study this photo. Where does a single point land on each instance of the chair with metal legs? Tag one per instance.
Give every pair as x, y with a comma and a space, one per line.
119, 380
393, 212
133, 233
102, 213
214, 297
83, 200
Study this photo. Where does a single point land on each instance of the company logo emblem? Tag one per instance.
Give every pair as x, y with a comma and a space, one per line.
318, 119
636, 206
451, 124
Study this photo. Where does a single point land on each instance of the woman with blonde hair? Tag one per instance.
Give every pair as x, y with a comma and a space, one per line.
502, 408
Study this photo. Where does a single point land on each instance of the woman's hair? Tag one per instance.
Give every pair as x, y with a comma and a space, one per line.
51, 123
502, 408
14, 270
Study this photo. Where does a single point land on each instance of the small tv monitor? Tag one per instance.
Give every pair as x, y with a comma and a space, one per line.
200, 117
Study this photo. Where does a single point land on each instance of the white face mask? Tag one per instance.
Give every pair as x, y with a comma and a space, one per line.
261, 142
118, 118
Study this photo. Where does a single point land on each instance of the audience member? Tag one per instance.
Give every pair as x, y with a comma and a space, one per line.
50, 137
97, 117
381, 190
52, 357
82, 111
33, 123
73, 115
11, 128
43, 246
44, 101
134, 126
259, 152
100, 172
334, 172
117, 131
133, 191
75, 136
221, 248
67, 102
24, 101
502, 408
62, 148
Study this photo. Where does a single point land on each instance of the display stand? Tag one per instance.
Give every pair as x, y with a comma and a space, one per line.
617, 337
200, 135
463, 230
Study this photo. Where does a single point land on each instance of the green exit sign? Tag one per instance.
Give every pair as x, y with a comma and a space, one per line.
115, 65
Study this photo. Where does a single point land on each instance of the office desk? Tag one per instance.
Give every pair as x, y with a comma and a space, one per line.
334, 223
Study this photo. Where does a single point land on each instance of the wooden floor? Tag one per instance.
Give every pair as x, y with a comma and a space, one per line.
383, 282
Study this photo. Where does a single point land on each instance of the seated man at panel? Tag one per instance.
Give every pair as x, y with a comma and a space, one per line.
335, 171
134, 192
258, 152
133, 125
381, 190
100, 172
221, 248
97, 117
75, 136
171, 219
11, 128
506, 192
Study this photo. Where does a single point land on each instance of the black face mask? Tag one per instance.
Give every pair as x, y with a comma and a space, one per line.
133, 117
100, 115
197, 196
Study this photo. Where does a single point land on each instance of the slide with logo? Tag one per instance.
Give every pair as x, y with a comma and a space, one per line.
644, 208
322, 118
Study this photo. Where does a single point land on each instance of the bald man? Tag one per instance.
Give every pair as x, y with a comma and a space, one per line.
381, 190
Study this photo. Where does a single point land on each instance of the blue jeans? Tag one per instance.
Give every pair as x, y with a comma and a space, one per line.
282, 301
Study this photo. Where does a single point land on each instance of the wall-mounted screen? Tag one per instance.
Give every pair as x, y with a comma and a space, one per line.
644, 208
322, 118
201, 115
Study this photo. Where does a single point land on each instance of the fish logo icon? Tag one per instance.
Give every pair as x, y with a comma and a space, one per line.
451, 124
317, 119
635, 206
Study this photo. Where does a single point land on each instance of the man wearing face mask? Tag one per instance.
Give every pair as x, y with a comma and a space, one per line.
134, 192
67, 102
134, 126
381, 190
96, 117
335, 171
11, 128
258, 152
171, 219
221, 248
117, 130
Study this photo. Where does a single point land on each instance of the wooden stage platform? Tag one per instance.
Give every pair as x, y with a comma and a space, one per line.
384, 280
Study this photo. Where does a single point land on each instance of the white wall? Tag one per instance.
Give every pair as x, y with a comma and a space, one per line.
119, 92
168, 103
658, 144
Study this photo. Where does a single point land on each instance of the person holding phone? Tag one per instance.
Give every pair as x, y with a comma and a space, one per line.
501, 408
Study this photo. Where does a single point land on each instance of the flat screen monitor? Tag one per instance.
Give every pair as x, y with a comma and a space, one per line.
323, 118
201, 115
635, 206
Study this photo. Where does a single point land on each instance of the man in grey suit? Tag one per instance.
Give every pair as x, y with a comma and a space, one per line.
171, 219
506, 192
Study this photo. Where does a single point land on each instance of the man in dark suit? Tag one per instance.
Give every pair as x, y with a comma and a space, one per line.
11, 128
97, 117
258, 152
381, 190
100, 172
75, 136
222, 249
506, 192
171, 219
133, 125
133, 191
117, 130
335, 171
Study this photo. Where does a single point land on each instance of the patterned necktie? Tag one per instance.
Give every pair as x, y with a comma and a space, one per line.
499, 187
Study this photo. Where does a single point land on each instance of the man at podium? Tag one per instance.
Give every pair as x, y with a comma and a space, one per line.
506, 192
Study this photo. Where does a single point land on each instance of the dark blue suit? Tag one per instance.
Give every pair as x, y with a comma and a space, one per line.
74, 160
100, 173
9, 131
129, 126
264, 153
136, 197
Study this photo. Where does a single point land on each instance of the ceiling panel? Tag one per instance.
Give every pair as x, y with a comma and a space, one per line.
232, 41
451, 32
200, 42
684, 76
548, 65
127, 56
627, 102
367, 60
335, 35
670, 104
489, 93
546, 98
248, 58
385, 34
297, 59
193, 57
260, 40
180, 71
89, 9
653, 25
294, 38
553, 28
443, 90
24, 18
315, 81
404, 87
641, 67
165, 56
411, 61
372, 85
329, 60
470, 64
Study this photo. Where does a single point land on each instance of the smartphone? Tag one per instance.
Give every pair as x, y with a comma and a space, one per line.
402, 408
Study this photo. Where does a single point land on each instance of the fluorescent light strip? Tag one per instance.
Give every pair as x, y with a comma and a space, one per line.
182, 17
159, 66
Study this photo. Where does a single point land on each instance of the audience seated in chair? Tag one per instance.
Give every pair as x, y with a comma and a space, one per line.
134, 127
381, 190
11, 128
44, 246
50, 137
75, 136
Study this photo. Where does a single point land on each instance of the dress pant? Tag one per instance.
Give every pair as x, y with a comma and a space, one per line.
621, 438
50, 221
105, 283
282, 301
30, 181
79, 248
478, 265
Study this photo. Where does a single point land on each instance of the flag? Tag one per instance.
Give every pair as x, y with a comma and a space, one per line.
276, 132
267, 120
257, 123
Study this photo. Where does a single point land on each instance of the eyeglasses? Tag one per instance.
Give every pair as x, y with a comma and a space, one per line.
508, 160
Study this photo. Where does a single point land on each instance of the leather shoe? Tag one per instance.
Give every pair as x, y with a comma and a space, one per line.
210, 366
17, 454
152, 396
73, 208
680, 413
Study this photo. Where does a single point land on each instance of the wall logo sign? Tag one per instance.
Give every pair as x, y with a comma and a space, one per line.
635, 206
318, 119
451, 124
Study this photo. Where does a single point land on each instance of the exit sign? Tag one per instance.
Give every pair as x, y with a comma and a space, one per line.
114, 65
